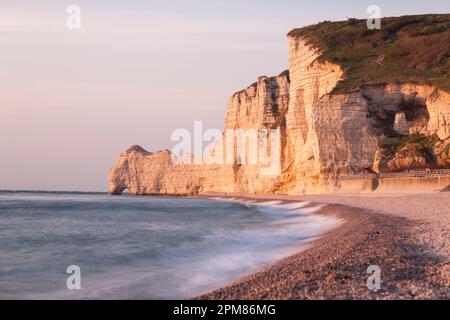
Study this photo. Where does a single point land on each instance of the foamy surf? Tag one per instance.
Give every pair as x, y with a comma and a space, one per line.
145, 247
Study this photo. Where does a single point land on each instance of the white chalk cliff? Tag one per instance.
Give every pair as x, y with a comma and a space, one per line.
323, 134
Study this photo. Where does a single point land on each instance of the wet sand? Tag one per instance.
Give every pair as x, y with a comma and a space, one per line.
407, 236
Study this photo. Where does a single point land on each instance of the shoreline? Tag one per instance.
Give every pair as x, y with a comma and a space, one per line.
405, 244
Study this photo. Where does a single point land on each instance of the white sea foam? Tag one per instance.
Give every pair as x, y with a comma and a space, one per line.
133, 248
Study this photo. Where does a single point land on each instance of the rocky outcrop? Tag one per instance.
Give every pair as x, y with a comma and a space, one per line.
401, 125
323, 134
261, 105
146, 173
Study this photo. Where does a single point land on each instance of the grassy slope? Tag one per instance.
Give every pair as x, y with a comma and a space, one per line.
414, 48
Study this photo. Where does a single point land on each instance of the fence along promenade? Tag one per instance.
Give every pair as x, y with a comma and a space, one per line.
402, 174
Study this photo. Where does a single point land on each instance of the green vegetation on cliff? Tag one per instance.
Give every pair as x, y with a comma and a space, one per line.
418, 143
412, 49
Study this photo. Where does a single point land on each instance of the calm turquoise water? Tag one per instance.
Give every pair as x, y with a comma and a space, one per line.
140, 247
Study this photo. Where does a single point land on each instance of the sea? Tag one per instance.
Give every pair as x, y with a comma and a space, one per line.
62, 245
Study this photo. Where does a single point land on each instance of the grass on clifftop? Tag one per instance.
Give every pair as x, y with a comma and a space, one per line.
412, 49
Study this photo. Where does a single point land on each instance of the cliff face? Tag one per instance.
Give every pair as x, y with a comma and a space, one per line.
331, 133
323, 133
146, 173
261, 105
311, 81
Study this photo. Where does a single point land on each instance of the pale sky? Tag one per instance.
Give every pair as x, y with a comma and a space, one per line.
71, 101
